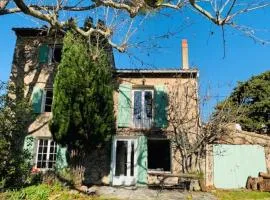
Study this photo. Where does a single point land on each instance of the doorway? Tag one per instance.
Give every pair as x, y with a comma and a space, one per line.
124, 162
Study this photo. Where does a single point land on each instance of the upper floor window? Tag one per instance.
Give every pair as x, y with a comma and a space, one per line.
142, 108
47, 100
46, 154
49, 53
55, 53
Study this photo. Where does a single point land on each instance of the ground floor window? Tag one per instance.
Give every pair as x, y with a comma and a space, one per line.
159, 155
46, 153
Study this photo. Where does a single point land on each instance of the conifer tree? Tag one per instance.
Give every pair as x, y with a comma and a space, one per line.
83, 116
251, 100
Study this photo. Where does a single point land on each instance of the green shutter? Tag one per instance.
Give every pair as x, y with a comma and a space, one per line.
36, 99
61, 161
43, 53
111, 164
161, 103
124, 105
142, 161
29, 147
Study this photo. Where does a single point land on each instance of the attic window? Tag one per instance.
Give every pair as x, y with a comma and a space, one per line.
55, 53
159, 156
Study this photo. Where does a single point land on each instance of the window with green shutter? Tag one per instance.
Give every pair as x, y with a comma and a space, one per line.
36, 99
124, 106
43, 53
161, 103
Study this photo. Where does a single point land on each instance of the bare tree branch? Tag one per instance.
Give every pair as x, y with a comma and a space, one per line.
222, 13
3, 4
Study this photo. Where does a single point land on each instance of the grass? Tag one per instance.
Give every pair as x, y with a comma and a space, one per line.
241, 195
47, 192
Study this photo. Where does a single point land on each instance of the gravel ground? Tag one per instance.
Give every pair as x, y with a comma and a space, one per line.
147, 194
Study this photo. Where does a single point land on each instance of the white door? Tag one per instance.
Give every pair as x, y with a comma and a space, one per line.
124, 162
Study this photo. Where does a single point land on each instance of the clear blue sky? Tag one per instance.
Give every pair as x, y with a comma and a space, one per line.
244, 58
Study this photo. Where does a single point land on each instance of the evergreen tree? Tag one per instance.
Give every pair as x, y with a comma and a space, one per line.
251, 99
83, 116
15, 117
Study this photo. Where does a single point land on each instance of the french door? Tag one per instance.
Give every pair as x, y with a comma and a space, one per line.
124, 162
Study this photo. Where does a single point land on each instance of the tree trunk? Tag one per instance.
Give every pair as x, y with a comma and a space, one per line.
77, 166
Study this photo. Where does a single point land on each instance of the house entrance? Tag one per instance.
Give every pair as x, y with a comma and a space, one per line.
124, 162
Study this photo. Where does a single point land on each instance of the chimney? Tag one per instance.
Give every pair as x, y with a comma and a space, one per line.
185, 55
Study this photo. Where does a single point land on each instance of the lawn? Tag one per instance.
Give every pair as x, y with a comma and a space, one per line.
47, 192
241, 195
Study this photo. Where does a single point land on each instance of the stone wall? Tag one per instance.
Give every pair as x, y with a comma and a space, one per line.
98, 164
27, 72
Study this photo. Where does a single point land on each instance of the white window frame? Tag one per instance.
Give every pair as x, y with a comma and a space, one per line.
44, 99
142, 105
122, 179
47, 153
171, 157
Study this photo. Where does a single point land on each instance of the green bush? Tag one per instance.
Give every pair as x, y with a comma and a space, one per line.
15, 116
36, 192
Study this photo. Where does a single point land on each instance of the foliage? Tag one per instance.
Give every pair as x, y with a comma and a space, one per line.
44, 192
241, 195
251, 99
15, 115
83, 116
189, 135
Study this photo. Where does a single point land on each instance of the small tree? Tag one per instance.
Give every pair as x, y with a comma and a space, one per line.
189, 135
252, 99
15, 115
83, 116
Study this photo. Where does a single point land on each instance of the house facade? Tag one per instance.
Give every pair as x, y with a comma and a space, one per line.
142, 152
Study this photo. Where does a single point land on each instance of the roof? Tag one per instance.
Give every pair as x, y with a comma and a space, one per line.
26, 31
191, 73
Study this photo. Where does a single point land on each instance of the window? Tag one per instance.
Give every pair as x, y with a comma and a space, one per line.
49, 53
55, 53
48, 99
46, 154
142, 108
159, 155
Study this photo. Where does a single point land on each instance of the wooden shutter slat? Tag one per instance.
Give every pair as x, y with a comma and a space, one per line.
161, 103
142, 161
43, 53
124, 105
36, 99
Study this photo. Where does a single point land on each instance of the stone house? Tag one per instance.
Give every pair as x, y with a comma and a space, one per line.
142, 150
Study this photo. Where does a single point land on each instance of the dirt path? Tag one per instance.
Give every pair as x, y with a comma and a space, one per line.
148, 194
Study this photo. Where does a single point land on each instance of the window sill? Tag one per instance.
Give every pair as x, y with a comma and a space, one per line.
156, 172
141, 129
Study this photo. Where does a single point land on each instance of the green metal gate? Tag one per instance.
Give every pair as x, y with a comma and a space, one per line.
234, 163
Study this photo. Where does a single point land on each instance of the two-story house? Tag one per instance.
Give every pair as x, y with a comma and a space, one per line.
142, 151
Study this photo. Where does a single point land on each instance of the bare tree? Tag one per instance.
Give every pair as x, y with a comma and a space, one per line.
189, 135
220, 12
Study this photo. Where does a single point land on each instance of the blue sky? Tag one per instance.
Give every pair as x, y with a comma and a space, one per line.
218, 74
